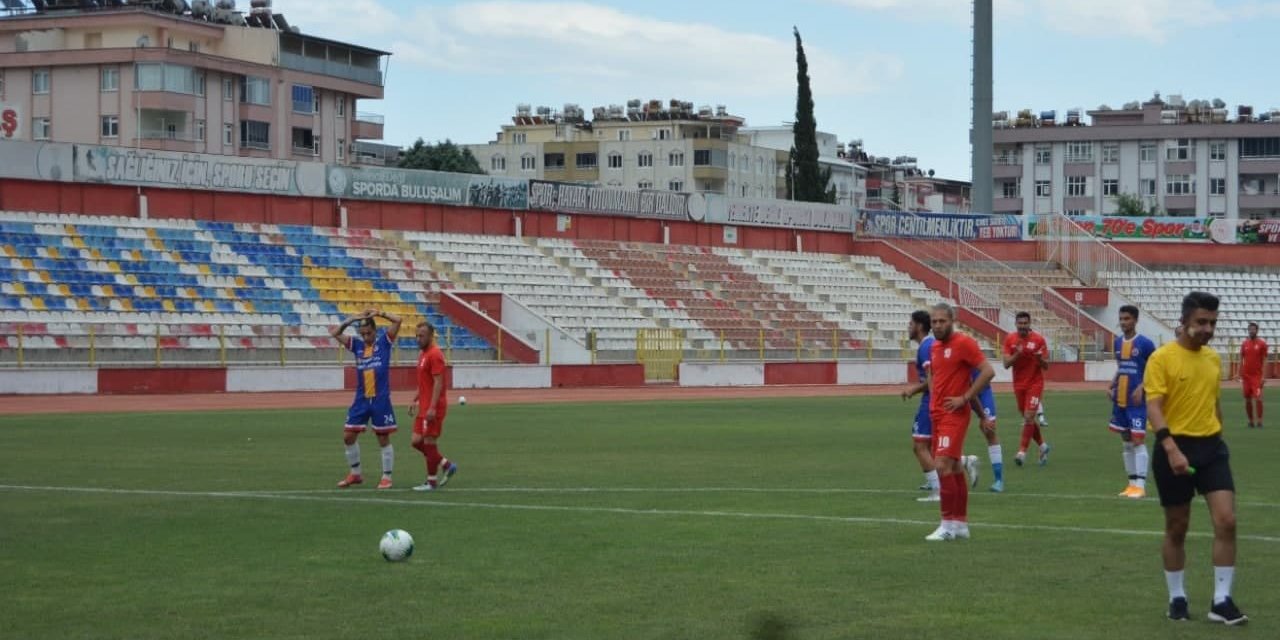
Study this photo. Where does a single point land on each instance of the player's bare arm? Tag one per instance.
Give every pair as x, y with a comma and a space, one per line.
1011, 358
396, 321
339, 332
985, 375
436, 389
1155, 417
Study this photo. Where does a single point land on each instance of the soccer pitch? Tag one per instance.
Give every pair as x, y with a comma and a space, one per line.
663, 520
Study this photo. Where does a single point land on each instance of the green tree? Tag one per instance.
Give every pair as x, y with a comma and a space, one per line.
1130, 205
810, 180
443, 156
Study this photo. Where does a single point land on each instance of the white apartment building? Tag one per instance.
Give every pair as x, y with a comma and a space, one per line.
1188, 159
849, 179
650, 146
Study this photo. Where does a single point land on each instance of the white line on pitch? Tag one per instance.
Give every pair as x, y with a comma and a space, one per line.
612, 510
763, 490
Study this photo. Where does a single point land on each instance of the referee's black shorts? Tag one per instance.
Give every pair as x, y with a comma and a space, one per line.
1212, 462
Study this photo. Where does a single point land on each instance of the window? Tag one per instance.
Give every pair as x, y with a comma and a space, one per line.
519, 138
498, 163
586, 161
174, 78
1179, 185
228, 134
1111, 152
702, 158
1077, 186
255, 90
553, 161
1079, 152
1110, 187
1148, 187
645, 159
200, 130
1077, 212
759, 164
732, 161
1044, 155
624, 134
228, 89
109, 79
199, 82
342, 107
1180, 149
193, 46
315, 105
110, 126
615, 160
342, 149
41, 129
1, 83
644, 184
40, 81
675, 185
528, 162
1044, 189
1012, 189
662, 134
255, 134
675, 159
304, 99
1217, 186
746, 188
1260, 147
1147, 152
1217, 151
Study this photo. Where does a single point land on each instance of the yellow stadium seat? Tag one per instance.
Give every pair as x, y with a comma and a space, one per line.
114, 266
78, 243
204, 269
168, 306
38, 304
19, 288
127, 304
108, 291
53, 252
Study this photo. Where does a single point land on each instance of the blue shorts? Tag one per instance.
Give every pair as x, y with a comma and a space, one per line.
988, 400
922, 429
1132, 419
376, 410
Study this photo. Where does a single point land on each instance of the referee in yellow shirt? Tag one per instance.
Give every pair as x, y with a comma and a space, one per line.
1182, 384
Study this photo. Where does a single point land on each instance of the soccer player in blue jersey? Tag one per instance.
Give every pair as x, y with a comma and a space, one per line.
920, 331
1128, 400
372, 403
985, 406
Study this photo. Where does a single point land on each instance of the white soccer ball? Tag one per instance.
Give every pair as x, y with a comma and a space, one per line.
396, 545
462, 400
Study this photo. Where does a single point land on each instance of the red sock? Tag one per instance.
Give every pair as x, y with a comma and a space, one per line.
1248, 409
1027, 431
1035, 433
1259, 401
962, 499
947, 495
433, 460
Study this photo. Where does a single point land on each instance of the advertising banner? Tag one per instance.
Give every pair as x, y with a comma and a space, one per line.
36, 160
810, 216
12, 126
147, 168
897, 224
425, 187
637, 203
1177, 229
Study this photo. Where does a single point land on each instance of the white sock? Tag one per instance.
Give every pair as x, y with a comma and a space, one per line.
353, 458
996, 454
1040, 410
1044, 446
388, 459
1128, 461
931, 479
1140, 464
1222, 577
1174, 580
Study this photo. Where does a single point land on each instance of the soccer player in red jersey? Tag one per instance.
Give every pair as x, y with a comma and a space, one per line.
430, 404
952, 361
1253, 359
1026, 352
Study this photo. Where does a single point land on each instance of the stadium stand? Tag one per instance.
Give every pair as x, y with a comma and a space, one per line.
1252, 296
200, 285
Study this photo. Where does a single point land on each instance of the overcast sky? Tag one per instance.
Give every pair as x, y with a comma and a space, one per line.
894, 73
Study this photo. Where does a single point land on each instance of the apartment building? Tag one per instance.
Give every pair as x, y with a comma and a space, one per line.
139, 76
1183, 158
848, 179
652, 145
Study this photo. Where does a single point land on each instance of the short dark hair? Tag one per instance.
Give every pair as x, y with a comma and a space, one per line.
1253, 325
1131, 310
369, 322
945, 308
921, 318
1021, 315
1198, 300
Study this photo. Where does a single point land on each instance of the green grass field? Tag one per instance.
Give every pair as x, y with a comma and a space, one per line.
672, 520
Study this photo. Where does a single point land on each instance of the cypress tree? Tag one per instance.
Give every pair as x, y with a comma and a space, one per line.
810, 179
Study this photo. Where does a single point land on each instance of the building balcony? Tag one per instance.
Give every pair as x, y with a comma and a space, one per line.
1006, 205
308, 64
1270, 200
1253, 166
710, 173
367, 126
1006, 170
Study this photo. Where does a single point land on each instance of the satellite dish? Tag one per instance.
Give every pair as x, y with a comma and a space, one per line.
143, 42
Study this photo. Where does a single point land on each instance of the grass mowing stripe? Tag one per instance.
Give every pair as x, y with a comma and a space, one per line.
613, 510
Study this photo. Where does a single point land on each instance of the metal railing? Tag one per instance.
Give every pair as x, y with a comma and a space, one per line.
372, 118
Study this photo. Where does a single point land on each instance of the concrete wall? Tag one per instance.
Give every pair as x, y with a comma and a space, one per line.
721, 375
29, 382
533, 327
501, 377
285, 379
